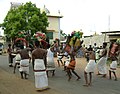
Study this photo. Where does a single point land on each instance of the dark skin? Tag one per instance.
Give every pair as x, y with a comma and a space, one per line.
39, 53
91, 57
110, 72
24, 55
73, 71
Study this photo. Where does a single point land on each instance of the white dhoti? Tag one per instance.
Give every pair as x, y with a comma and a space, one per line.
67, 63
41, 80
90, 66
50, 64
17, 59
24, 66
59, 57
102, 68
113, 66
50, 60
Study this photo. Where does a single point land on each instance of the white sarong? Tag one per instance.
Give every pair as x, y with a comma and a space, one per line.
113, 66
102, 68
24, 66
50, 60
41, 80
17, 58
90, 66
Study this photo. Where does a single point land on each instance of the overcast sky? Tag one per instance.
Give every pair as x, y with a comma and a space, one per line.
88, 15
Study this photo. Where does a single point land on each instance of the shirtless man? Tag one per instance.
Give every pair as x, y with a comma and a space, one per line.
39, 67
89, 69
102, 69
24, 62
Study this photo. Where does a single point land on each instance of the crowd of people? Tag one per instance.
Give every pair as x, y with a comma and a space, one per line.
43, 61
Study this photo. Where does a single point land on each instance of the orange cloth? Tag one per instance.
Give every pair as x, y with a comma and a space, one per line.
72, 64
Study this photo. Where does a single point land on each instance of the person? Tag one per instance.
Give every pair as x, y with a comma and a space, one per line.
10, 55
39, 66
113, 67
118, 55
71, 67
113, 53
101, 65
59, 58
66, 62
89, 69
17, 60
24, 62
50, 60
95, 47
97, 54
87, 55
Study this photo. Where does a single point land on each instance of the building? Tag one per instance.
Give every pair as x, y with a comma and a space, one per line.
113, 35
109, 36
53, 30
98, 39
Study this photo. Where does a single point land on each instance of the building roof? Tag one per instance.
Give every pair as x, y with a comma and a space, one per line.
55, 16
111, 32
117, 33
49, 14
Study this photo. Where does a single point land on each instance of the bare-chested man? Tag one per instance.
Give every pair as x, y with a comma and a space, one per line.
24, 63
89, 69
102, 69
39, 67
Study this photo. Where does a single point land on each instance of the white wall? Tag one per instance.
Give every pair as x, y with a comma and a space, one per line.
53, 24
98, 39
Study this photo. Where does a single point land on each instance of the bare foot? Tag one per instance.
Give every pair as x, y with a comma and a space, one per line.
89, 84
104, 76
86, 85
115, 79
14, 72
69, 78
78, 78
43, 89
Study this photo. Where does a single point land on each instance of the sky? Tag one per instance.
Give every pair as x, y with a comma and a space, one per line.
89, 16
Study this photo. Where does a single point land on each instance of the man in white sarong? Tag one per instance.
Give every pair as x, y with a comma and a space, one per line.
90, 68
39, 67
102, 68
50, 60
113, 68
24, 62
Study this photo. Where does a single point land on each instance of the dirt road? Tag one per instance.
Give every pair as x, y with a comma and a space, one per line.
12, 83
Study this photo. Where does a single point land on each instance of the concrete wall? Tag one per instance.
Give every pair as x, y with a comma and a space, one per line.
98, 39
53, 24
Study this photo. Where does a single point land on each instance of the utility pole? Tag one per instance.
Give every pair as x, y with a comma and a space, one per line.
108, 28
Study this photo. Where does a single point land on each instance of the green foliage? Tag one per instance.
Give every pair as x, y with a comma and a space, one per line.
26, 17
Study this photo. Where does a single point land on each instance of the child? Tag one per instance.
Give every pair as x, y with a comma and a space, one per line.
89, 69
113, 67
71, 67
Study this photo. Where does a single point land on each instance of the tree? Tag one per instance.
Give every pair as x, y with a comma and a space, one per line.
26, 18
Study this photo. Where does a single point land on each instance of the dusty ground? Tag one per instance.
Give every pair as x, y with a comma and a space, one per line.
12, 83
